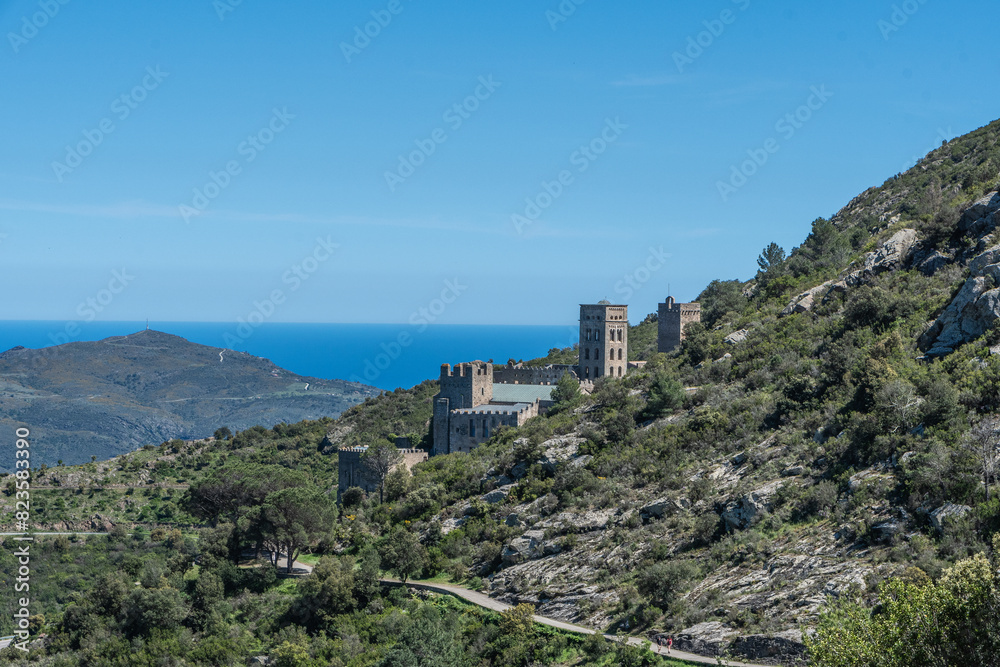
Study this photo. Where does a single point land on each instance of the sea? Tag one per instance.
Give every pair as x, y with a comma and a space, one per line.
386, 356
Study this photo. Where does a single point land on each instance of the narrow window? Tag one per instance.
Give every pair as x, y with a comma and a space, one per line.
486, 429
619, 355
619, 371
597, 354
597, 372
472, 428
597, 335
586, 354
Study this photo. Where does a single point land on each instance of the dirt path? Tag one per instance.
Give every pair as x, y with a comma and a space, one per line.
487, 602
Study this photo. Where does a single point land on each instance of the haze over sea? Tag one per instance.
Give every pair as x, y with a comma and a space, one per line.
386, 356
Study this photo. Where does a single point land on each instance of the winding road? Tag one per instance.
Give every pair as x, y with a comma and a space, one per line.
487, 602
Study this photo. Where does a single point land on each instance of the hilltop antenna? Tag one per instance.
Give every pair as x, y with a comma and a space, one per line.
147, 324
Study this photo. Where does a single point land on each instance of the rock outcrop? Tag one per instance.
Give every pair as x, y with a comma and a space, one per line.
892, 255
939, 518
977, 306
748, 510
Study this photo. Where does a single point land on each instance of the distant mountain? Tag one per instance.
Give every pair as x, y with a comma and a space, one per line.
108, 397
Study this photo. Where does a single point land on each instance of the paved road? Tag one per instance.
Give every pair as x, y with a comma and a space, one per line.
487, 602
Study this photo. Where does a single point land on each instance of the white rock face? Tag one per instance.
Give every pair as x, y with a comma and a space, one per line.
737, 337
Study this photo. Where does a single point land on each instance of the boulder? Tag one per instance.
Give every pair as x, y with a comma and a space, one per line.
748, 510
449, 525
737, 337
804, 302
664, 507
885, 531
941, 515
527, 547
894, 253
980, 218
970, 314
498, 495
929, 264
558, 450
977, 306
710, 638
793, 471
891, 255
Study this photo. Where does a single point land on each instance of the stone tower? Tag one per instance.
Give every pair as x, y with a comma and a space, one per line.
603, 341
468, 386
673, 317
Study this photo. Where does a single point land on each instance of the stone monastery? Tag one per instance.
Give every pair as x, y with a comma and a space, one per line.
476, 397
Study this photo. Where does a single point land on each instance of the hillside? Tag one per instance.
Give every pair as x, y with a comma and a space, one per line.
826, 429
108, 397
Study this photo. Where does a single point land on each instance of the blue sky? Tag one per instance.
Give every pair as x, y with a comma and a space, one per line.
300, 133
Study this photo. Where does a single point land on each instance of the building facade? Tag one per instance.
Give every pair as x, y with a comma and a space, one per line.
673, 317
472, 405
603, 341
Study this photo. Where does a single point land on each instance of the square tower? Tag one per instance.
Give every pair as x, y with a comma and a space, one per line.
673, 317
603, 341
468, 386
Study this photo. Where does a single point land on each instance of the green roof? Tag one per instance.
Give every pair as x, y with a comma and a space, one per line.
521, 393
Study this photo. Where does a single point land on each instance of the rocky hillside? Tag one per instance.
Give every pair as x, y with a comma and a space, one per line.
825, 427
108, 397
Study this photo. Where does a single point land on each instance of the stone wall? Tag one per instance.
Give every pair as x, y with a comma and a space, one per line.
467, 386
519, 374
471, 428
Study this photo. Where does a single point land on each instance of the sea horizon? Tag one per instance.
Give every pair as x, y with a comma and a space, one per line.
386, 356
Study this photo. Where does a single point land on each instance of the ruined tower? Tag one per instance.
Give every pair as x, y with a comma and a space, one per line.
468, 386
673, 317
603, 341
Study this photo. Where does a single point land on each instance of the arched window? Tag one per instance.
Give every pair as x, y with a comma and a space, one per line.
597, 354
619, 371
620, 351
597, 335
586, 353
472, 428
597, 371
586, 372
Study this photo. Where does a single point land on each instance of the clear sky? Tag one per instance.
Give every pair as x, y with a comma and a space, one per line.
213, 153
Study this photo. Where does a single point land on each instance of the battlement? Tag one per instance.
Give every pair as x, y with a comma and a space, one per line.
466, 370
511, 411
